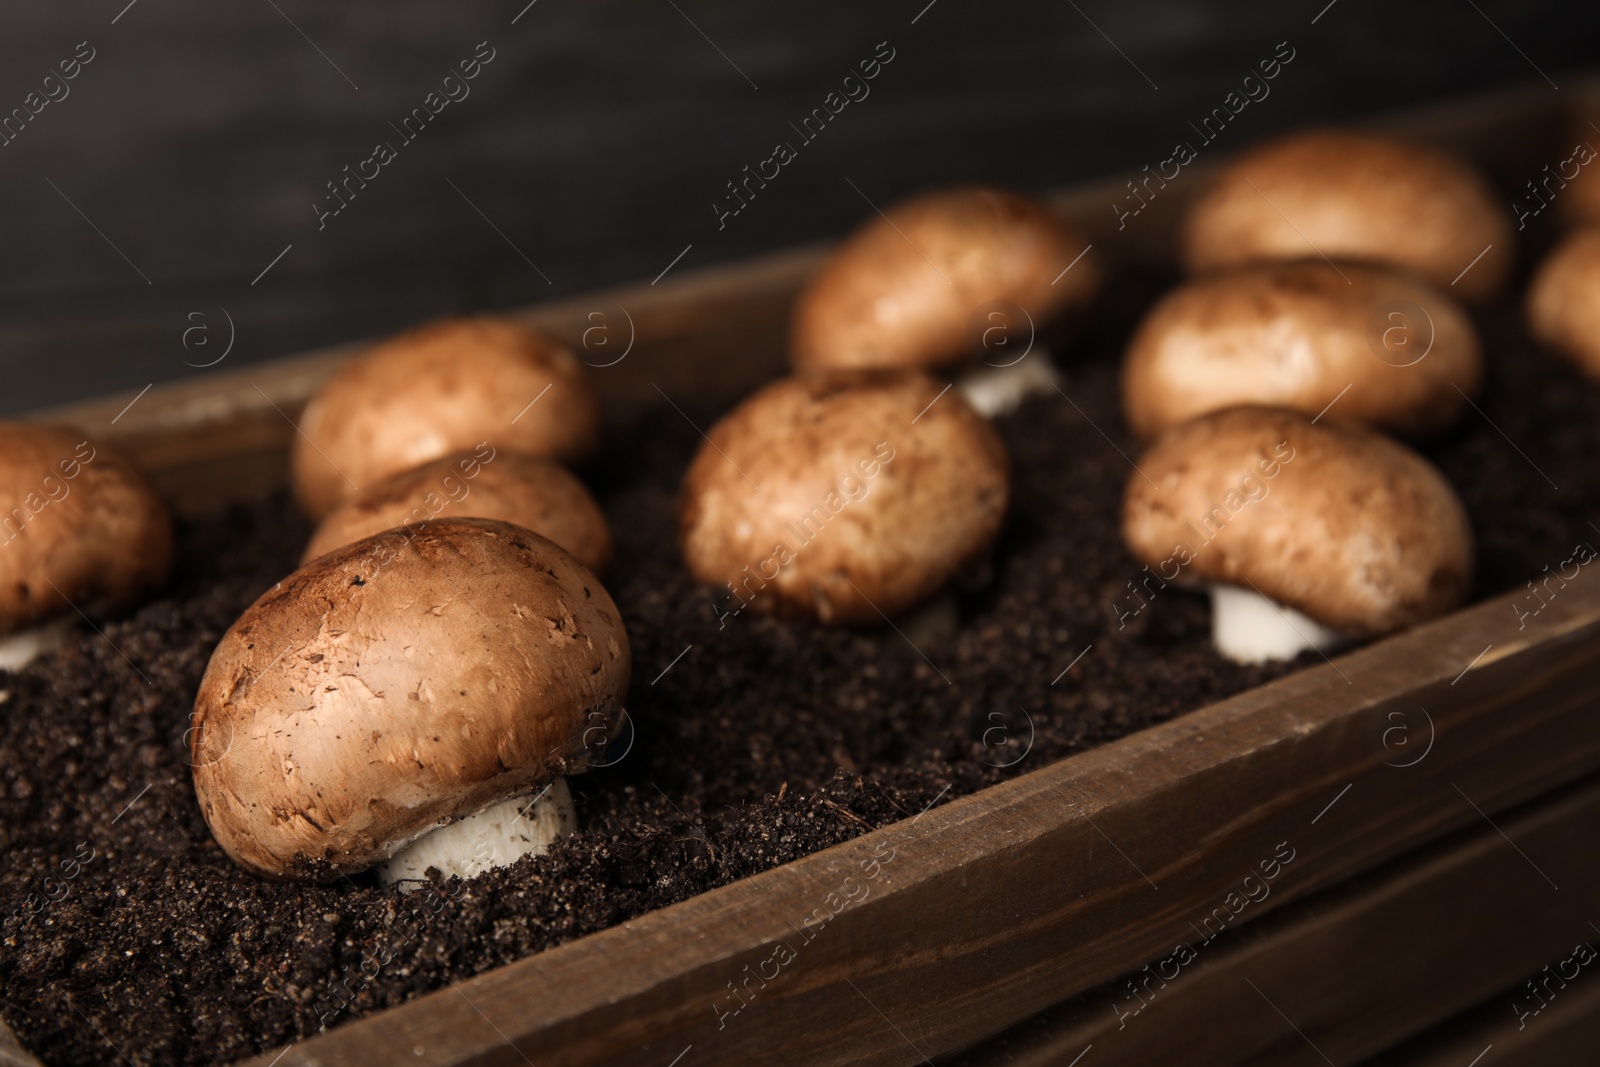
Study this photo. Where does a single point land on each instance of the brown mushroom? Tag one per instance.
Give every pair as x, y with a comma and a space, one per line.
849, 498
1564, 300
1305, 533
437, 389
1346, 195
80, 530
1363, 344
396, 686
539, 494
1571, 182
941, 280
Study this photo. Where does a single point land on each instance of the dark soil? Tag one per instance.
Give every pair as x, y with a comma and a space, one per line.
764, 742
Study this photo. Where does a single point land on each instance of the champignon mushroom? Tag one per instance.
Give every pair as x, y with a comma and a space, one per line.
847, 497
539, 494
1564, 300
944, 280
1306, 534
80, 530
1354, 196
1571, 182
370, 703
1377, 346
438, 389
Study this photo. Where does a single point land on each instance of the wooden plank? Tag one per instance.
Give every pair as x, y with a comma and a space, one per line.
1000, 904
703, 339
1426, 936
1507, 134
711, 335
1566, 1032
597, 170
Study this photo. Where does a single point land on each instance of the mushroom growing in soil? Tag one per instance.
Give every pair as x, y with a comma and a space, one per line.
440, 388
939, 282
539, 494
80, 531
1307, 535
1354, 196
847, 497
1564, 300
412, 700
1364, 344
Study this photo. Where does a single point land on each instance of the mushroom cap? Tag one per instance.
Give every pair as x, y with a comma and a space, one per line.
902, 291
1298, 336
79, 527
848, 497
1353, 196
440, 388
539, 494
1564, 300
1578, 202
1338, 522
397, 684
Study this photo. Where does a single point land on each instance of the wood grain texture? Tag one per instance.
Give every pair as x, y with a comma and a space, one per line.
702, 340
1359, 967
597, 140
1565, 1032
703, 337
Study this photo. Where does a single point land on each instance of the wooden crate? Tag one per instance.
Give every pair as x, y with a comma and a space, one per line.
996, 907
1352, 970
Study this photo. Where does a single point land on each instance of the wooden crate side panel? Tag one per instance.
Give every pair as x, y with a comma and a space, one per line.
1355, 969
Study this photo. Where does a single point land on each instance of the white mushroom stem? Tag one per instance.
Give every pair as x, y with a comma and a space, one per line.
993, 391
1249, 628
495, 837
23, 647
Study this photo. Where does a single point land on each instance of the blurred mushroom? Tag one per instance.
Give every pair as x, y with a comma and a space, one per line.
1570, 182
1306, 534
1354, 196
366, 707
80, 530
1382, 348
1564, 300
539, 494
944, 280
437, 389
849, 497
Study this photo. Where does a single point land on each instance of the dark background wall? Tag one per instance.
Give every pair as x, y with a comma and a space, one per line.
596, 141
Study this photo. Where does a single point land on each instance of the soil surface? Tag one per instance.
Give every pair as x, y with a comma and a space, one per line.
764, 741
